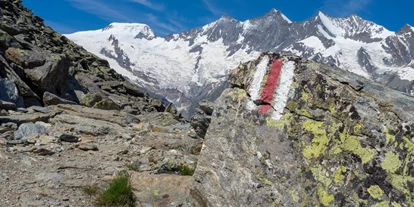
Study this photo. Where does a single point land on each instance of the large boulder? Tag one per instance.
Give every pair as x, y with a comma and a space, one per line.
295, 133
52, 99
29, 129
47, 71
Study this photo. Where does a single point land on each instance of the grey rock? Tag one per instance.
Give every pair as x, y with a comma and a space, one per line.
88, 147
40, 109
52, 99
8, 91
200, 122
28, 129
207, 107
65, 137
7, 105
24, 110
17, 142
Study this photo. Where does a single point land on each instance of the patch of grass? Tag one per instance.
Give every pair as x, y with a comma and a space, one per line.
90, 190
184, 170
133, 167
118, 193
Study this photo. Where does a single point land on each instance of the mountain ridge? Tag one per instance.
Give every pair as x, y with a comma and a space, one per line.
201, 57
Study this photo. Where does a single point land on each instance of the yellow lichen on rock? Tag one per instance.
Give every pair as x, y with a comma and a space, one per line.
375, 191
391, 162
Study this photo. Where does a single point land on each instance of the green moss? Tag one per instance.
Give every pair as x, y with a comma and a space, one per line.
319, 142
375, 191
185, 170
391, 162
382, 204
339, 177
156, 192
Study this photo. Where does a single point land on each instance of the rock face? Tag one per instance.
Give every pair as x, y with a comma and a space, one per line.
331, 139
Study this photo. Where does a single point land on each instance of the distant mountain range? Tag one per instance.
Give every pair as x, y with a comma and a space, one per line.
193, 65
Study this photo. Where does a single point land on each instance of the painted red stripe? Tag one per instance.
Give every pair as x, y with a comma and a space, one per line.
270, 85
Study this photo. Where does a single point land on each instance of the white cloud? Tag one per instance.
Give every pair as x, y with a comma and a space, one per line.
211, 8
100, 9
151, 5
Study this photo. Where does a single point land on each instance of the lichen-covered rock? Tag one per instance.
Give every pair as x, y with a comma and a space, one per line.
295, 133
106, 104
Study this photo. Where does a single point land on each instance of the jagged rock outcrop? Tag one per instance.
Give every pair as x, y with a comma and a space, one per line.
291, 132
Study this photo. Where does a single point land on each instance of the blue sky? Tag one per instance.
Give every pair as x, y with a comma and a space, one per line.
172, 16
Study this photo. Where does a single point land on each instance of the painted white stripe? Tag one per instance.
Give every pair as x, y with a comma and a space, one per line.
254, 89
256, 84
282, 90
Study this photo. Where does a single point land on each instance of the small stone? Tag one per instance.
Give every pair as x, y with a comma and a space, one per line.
197, 148
127, 136
24, 110
192, 133
40, 109
145, 150
16, 142
67, 137
8, 106
88, 146
45, 140
43, 151
4, 113
88, 139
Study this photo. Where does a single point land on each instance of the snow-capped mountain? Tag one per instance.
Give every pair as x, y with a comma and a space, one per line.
193, 65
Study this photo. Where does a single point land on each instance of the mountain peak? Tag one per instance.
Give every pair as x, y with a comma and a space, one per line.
405, 29
226, 17
134, 30
276, 13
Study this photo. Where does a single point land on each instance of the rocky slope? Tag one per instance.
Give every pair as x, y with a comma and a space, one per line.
199, 60
68, 121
